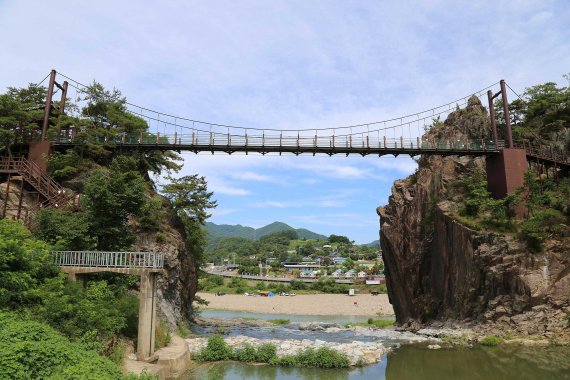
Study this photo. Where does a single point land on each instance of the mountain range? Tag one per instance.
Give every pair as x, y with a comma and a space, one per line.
216, 231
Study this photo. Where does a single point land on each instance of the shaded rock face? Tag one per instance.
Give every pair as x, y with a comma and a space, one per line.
177, 285
439, 271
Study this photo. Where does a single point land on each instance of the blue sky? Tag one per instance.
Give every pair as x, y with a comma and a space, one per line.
290, 64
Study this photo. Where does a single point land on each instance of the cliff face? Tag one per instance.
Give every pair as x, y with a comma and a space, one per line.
439, 271
177, 286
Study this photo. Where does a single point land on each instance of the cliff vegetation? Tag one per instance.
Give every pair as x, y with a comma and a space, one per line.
456, 256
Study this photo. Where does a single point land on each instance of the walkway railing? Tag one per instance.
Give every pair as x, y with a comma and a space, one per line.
134, 260
545, 153
286, 143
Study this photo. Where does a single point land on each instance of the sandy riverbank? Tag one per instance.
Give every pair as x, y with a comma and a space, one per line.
303, 304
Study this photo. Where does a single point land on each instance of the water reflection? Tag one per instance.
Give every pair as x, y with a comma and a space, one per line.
235, 371
417, 362
501, 363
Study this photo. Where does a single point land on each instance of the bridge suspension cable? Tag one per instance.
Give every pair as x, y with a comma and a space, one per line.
381, 125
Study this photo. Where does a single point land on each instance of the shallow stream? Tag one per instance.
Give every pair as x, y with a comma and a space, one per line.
406, 361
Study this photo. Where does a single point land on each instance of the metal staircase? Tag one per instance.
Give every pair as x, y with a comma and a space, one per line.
52, 193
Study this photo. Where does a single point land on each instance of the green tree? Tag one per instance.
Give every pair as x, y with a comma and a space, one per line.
24, 264
338, 239
476, 194
191, 201
65, 230
110, 197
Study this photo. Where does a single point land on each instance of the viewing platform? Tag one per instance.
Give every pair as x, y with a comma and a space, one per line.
146, 265
134, 263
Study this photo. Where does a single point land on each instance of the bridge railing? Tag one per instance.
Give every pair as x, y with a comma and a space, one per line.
143, 260
545, 152
201, 140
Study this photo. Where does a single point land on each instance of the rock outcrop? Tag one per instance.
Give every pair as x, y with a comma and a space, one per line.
177, 286
440, 272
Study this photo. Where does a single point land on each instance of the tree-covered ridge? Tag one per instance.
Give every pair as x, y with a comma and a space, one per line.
226, 230
285, 246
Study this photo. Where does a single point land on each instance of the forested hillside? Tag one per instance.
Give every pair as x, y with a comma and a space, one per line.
119, 210
218, 231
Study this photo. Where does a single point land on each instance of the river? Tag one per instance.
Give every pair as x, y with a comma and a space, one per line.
406, 361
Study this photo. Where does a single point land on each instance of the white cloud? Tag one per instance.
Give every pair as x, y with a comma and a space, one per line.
220, 186
294, 64
256, 177
218, 212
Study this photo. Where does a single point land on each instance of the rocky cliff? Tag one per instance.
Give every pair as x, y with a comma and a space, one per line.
439, 271
178, 284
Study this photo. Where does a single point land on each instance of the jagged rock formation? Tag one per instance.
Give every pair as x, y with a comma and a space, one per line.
178, 284
440, 271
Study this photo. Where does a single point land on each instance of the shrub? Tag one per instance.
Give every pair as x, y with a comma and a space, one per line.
245, 354
237, 282
321, 358
240, 290
266, 352
490, 341
298, 285
33, 350
217, 349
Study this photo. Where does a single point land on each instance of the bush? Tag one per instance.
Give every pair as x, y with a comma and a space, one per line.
320, 358
216, 280
217, 349
75, 311
33, 350
298, 285
245, 354
237, 282
266, 352
24, 264
490, 341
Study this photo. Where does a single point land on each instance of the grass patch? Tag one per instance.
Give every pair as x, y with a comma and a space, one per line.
463, 339
378, 323
162, 337
491, 341
182, 329
217, 349
279, 321
320, 358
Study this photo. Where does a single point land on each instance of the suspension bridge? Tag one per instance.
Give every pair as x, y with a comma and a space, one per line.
506, 161
395, 136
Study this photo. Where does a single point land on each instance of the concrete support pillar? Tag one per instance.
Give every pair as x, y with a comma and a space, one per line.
147, 316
